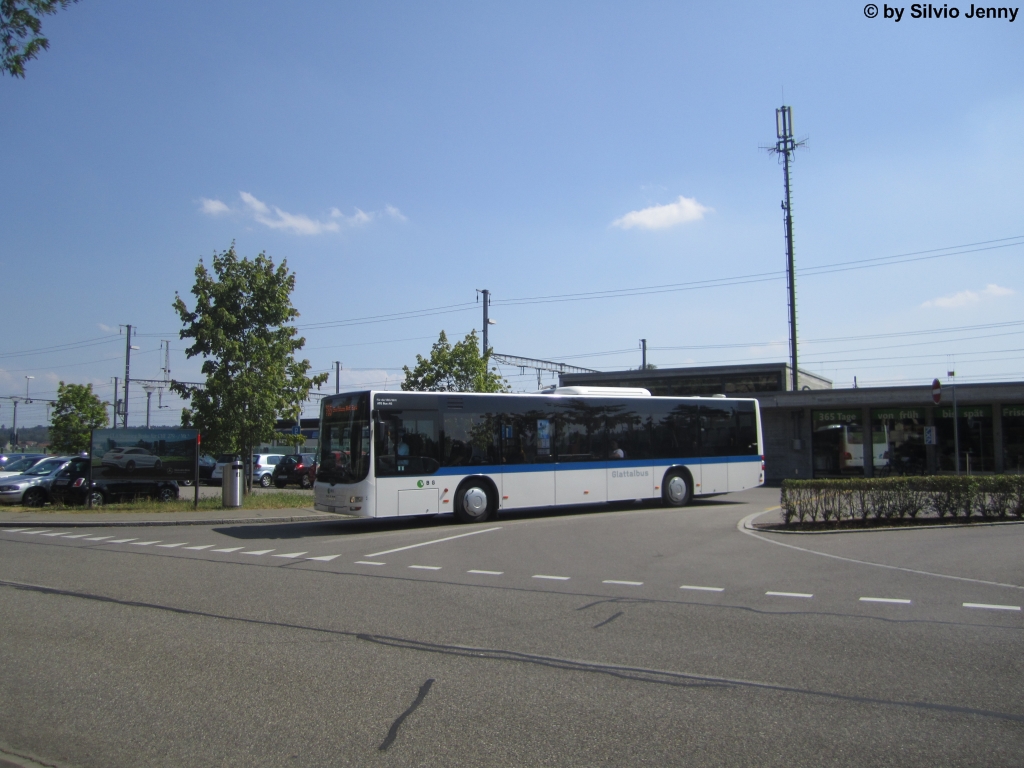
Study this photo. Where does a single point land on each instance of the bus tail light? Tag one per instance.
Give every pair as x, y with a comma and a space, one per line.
762, 463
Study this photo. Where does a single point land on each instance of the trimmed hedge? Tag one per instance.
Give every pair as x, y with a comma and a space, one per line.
991, 497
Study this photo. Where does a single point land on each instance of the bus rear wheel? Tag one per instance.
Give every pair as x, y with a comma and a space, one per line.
473, 503
676, 490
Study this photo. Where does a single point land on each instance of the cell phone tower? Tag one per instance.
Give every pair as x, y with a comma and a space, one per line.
785, 146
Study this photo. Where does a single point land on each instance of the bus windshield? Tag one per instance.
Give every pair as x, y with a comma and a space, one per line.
345, 439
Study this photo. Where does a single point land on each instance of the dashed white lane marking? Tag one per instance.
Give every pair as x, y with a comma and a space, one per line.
623, 583
291, 555
552, 578
99, 538
435, 541
58, 533
121, 541
896, 600
201, 546
229, 549
993, 607
258, 552
487, 573
14, 530
788, 594
41, 530
324, 558
703, 589
426, 567
144, 543
78, 536
368, 562
172, 546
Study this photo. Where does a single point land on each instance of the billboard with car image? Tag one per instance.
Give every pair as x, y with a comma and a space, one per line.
145, 454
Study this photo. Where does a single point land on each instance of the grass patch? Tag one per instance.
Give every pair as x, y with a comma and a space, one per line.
281, 500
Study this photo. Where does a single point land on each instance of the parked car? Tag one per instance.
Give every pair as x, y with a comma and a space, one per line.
298, 468
70, 487
206, 466
263, 468
32, 488
129, 458
17, 464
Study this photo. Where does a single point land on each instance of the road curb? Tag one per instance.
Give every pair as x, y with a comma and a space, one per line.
153, 523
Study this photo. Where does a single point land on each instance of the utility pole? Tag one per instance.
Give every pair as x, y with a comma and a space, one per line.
785, 146
127, 372
149, 398
113, 421
643, 346
337, 376
956, 421
14, 427
487, 320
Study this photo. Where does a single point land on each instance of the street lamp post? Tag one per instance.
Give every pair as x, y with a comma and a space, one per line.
149, 398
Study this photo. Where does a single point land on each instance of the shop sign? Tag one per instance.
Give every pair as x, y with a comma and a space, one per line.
967, 412
1013, 410
836, 416
897, 414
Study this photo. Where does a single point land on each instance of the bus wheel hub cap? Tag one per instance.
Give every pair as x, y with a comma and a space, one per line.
677, 488
475, 501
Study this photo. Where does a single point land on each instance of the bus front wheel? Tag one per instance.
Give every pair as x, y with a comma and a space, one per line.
676, 490
473, 503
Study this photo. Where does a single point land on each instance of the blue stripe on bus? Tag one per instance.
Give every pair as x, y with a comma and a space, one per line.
574, 465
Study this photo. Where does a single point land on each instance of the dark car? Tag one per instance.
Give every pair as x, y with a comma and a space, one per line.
70, 487
206, 465
298, 469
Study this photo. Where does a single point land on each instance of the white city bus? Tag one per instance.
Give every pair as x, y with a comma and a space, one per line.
388, 454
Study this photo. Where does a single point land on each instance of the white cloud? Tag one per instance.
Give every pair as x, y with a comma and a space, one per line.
213, 207
685, 209
106, 328
296, 223
275, 218
966, 298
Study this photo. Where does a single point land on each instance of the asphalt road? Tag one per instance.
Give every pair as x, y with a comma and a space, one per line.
629, 636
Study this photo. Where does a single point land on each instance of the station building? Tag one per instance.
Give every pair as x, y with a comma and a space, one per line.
822, 431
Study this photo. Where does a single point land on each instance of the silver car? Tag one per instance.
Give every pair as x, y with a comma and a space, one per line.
33, 487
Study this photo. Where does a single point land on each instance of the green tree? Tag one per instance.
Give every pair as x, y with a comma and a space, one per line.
240, 327
20, 28
76, 413
459, 368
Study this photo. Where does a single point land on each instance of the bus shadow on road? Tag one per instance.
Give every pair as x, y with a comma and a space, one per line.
365, 525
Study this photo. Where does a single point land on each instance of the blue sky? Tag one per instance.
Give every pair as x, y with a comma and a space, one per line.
402, 155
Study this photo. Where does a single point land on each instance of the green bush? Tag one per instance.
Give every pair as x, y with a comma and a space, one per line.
902, 498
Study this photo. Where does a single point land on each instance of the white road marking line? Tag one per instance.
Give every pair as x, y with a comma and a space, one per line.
324, 558
624, 583
58, 533
258, 552
368, 562
14, 530
487, 573
553, 578
78, 536
201, 546
993, 607
898, 601
99, 538
743, 526
291, 554
145, 543
426, 567
121, 541
788, 594
703, 589
229, 549
41, 530
172, 546
435, 541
